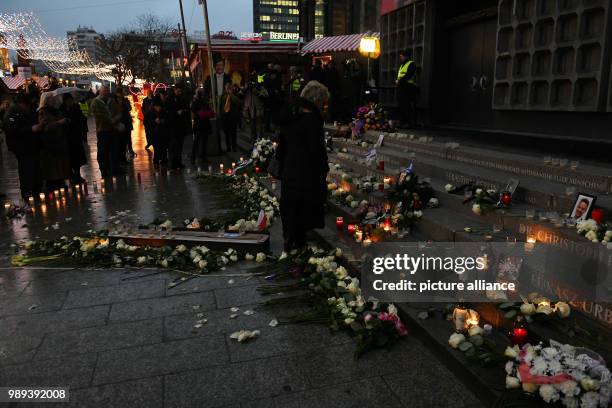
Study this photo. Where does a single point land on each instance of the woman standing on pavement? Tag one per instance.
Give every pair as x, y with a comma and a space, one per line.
230, 116
54, 155
303, 165
201, 114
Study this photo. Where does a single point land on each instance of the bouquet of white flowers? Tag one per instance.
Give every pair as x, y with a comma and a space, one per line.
560, 373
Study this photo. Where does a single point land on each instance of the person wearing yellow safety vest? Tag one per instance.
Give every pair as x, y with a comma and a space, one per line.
296, 83
407, 90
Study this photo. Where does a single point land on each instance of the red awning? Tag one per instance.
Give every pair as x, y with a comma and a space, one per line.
42, 82
14, 82
339, 43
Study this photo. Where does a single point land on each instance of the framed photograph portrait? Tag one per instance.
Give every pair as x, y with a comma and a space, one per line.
582, 206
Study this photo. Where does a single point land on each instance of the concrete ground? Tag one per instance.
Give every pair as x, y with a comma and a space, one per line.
125, 338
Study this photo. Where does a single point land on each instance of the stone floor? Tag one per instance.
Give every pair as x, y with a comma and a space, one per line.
125, 338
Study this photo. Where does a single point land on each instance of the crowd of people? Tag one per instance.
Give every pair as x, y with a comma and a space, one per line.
47, 134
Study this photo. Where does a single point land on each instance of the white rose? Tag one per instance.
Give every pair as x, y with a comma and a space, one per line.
181, 248
528, 309
549, 393
512, 352
589, 384
202, 264
260, 257
476, 209
338, 252
234, 258
392, 310
544, 308
348, 321
512, 382
141, 260
433, 202
456, 339
341, 273
418, 214
562, 309
475, 330
478, 191
449, 187
164, 263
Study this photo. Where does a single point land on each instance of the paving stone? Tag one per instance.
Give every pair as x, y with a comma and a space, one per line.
49, 322
101, 338
18, 350
334, 365
370, 393
286, 339
233, 383
164, 306
113, 294
31, 304
145, 393
232, 297
205, 283
63, 281
10, 288
431, 386
218, 322
158, 359
68, 371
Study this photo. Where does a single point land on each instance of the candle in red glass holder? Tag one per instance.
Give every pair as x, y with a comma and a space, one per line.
598, 215
381, 165
387, 224
506, 198
339, 222
351, 228
519, 332
257, 169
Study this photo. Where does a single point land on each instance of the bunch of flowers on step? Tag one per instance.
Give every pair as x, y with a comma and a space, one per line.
262, 152
335, 297
98, 250
371, 117
560, 373
595, 232
482, 199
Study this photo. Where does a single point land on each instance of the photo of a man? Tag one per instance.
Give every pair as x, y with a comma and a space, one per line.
582, 207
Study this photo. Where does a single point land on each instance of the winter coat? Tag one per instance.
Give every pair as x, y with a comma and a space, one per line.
303, 160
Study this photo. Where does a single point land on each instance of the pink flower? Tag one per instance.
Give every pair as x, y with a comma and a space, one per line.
368, 317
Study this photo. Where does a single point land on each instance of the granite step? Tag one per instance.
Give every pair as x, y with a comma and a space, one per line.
548, 195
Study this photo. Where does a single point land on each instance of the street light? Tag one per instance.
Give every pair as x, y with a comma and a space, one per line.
370, 47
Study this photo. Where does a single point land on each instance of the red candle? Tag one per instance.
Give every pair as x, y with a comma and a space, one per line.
598, 215
387, 224
381, 165
519, 335
506, 198
257, 169
339, 223
351, 228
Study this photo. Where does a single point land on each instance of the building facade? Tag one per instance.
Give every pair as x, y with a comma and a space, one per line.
515, 66
277, 20
324, 18
86, 38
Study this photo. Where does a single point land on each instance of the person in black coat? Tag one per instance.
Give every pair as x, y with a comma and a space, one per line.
303, 165
156, 120
201, 113
23, 139
77, 135
177, 108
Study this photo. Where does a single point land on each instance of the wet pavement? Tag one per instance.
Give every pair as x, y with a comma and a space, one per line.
126, 338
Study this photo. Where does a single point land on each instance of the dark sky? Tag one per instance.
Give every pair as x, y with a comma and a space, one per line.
58, 16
